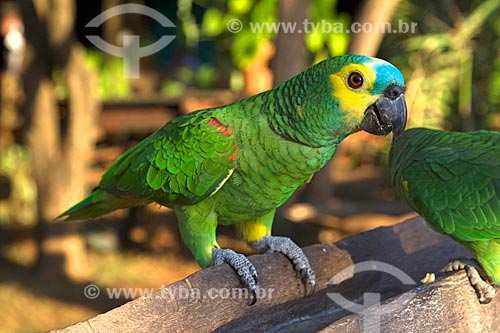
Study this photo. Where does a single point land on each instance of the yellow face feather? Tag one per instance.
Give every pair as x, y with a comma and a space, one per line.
354, 101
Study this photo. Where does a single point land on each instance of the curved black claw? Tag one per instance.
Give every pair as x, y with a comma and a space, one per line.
244, 268
300, 262
485, 290
252, 300
305, 278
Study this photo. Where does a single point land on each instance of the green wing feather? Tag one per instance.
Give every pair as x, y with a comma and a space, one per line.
182, 163
453, 180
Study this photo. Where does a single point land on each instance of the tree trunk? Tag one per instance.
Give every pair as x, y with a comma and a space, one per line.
111, 27
60, 156
375, 12
290, 57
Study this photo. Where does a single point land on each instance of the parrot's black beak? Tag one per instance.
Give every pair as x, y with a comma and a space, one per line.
387, 114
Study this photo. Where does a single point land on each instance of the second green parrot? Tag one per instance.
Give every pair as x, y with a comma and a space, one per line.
237, 163
452, 179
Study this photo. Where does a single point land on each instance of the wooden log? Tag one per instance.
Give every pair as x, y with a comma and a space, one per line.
448, 305
204, 302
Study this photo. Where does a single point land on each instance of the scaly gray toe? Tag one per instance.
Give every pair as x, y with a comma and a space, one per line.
485, 290
300, 262
244, 268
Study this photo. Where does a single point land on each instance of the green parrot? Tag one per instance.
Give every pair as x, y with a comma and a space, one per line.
236, 164
452, 179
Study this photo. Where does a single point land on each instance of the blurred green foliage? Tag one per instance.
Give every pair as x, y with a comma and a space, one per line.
176, 85
202, 21
451, 65
112, 83
336, 42
244, 44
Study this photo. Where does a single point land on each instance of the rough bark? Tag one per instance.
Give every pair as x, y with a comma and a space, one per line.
411, 247
60, 154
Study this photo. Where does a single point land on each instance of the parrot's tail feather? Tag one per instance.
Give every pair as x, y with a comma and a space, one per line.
98, 203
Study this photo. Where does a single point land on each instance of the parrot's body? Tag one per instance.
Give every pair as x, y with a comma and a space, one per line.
452, 179
237, 163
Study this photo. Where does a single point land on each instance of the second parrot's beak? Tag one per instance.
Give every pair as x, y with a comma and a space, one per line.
387, 114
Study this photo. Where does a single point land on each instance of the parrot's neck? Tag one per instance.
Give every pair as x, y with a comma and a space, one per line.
301, 109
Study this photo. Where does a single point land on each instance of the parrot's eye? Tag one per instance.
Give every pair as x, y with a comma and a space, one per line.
355, 80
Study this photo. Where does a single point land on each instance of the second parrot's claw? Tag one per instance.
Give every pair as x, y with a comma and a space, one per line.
244, 268
294, 253
485, 290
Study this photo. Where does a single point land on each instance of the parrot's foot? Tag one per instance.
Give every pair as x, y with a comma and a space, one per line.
485, 290
285, 245
243, 267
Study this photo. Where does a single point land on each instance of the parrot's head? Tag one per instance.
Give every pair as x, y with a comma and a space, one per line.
369, 93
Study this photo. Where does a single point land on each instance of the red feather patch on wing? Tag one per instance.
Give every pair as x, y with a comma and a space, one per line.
224, 130
233, 156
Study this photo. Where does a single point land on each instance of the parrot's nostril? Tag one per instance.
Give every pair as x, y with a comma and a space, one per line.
392, 92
